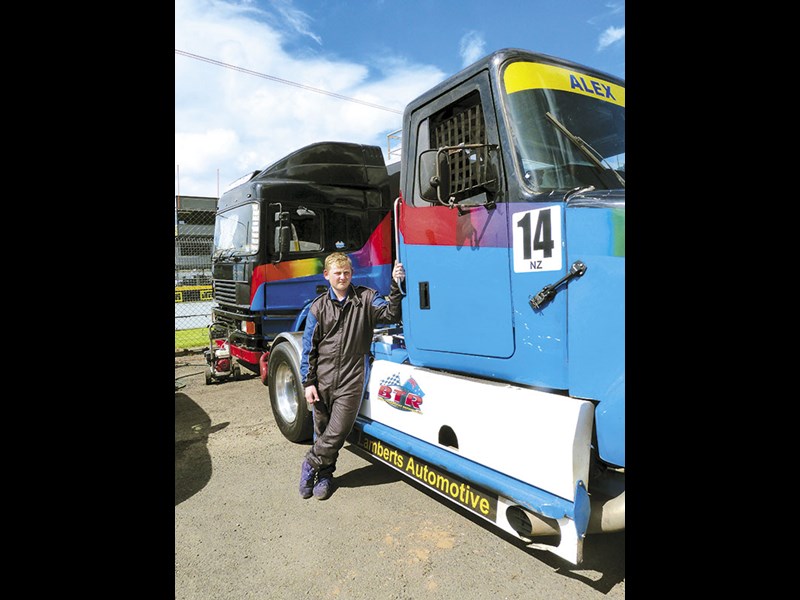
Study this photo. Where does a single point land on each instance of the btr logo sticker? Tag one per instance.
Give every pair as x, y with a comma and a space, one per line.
402, 397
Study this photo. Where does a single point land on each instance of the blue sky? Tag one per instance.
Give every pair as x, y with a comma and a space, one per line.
257, 79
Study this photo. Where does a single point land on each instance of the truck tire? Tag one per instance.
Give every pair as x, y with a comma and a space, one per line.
286, 395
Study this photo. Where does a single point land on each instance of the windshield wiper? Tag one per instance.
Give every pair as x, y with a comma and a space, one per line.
590, 152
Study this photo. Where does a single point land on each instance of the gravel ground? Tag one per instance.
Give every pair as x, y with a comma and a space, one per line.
242, 530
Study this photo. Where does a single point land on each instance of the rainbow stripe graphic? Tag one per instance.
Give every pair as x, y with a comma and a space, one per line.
376, 252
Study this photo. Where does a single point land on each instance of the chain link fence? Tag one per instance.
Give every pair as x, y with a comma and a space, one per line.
194, 239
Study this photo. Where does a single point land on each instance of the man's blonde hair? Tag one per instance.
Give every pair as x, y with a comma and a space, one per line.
338, 259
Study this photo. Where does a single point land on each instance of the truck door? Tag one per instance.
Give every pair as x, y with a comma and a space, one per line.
597, 316
457, 261
294, 274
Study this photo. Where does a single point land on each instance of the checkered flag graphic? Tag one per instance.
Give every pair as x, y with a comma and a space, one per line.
392, 380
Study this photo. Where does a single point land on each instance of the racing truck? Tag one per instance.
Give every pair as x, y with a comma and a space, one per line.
272, 230
503, 388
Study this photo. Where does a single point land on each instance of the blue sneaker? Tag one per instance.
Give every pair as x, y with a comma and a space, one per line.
307, 475
324, 487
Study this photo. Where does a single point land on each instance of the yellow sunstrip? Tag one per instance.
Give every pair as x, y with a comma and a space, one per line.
530, 76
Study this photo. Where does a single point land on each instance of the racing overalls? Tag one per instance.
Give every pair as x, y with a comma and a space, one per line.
336, 346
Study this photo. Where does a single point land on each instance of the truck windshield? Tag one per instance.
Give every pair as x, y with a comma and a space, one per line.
236, 230
589, 108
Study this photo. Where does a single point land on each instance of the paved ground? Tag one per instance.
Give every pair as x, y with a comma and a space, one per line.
242, 531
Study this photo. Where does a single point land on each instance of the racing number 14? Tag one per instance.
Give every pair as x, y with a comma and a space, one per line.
542, 238
537, 240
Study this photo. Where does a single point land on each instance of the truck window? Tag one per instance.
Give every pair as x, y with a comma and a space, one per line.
590, 108
346, 231
305, 228
462, 123
236, 230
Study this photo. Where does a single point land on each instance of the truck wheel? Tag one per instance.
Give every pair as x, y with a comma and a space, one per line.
286, 395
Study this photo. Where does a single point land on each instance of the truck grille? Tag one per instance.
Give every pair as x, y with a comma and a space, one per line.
225, 291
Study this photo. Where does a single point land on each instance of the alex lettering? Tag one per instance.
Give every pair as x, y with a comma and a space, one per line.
592, 87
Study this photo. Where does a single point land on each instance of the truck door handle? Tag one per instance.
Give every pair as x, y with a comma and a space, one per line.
546, 294
424, 295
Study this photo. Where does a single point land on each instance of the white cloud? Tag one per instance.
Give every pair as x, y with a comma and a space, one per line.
297, 19
228, 122
611, 36
471, 47
196, 155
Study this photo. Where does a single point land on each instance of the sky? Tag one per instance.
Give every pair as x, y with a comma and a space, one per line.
258, 79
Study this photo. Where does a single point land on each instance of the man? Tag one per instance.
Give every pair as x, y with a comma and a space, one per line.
336, 345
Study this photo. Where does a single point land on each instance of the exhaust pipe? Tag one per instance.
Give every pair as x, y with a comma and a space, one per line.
607, 511
607, 497
530, 525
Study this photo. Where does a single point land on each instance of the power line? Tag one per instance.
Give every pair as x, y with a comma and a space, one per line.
286, 81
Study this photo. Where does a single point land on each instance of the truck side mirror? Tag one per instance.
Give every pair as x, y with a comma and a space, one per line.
434, 176
285, 238
478, 169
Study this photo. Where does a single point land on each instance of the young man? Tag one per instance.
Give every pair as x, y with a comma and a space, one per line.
336, 345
